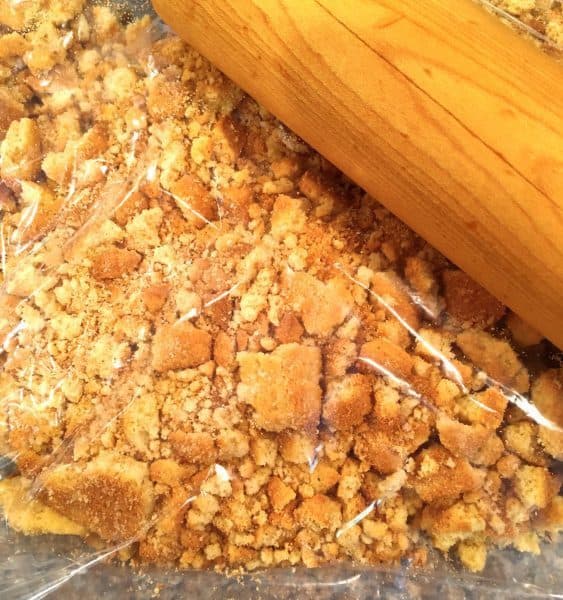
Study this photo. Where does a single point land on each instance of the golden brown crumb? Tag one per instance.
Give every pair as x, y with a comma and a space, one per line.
551, 517
155, 295
133, 204
377, 449
347, 402
391, 294
495, 357
29, 515
289, 329
385, 355
279, 493
110, 495
521, 438
468, 302
10, 108
508, 465
179, 346
282, 387
453, 524
114, 262
40, 214
490, 452
441, 478
535, 486
230, 138
20, 151
166, 98
473, 555
194, 200
460, 439
547, 394
224, 351
198, 448
339, 356
323, 306
319, 513
288, 216
486, 408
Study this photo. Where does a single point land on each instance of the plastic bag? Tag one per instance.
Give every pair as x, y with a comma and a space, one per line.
219, 353
540, 20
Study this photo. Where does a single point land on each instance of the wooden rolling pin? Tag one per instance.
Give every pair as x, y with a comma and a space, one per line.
436, 108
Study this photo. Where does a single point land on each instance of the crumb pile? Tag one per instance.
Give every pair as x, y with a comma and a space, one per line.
544, 16
218, 348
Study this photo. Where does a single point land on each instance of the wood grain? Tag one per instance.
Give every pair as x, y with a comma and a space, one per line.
437, 109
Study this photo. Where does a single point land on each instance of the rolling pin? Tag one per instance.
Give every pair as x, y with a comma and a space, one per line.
436, 108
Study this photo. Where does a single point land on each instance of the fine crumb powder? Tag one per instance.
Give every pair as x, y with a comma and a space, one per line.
218, 348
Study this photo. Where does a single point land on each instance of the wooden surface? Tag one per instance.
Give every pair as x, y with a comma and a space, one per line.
435, 107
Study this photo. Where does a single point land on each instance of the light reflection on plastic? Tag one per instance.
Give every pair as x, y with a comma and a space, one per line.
151, 172
67, 39
449, 369
222, 473
130, 159
152, 71
525, 406
221, 295
320, 584
117, 363
314, 460
69, 573
185, 204
193, 313
359, 517
12, 334
520, 24
430, 312
403, 385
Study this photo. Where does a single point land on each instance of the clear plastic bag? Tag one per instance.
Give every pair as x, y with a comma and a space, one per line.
541, 20
219, 353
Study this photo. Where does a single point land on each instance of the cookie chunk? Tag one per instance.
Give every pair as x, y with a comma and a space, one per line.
180, 346
114, 262
20, 151
110, 495
282, 387
547, 395
468, 302
441, 478
495, 357
347, 402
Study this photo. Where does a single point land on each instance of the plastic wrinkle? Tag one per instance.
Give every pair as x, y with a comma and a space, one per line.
188, 206
525, 406
446, 365
359, 517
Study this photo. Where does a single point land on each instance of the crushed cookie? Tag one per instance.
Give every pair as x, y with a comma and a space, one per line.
468, 302
216, 345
